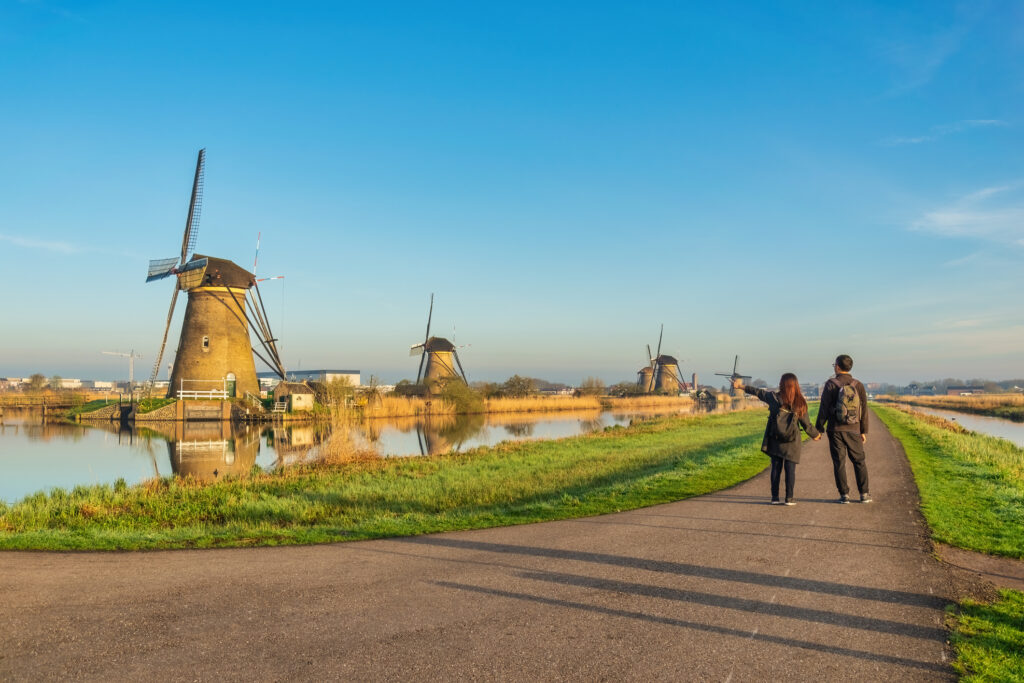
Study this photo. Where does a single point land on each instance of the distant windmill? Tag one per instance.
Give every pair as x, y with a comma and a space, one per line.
131, 356
438, 356
735, 372
662, 375
214, 346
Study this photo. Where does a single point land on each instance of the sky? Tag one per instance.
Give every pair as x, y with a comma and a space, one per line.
784, 181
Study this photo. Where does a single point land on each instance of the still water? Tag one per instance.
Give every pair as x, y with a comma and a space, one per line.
37, 456
993, 426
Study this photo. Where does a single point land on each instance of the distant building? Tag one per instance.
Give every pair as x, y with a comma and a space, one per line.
99, 384
12, 382
66, 383
324, 376
964, 390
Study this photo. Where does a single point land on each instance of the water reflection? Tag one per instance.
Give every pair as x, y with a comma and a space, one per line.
37, 455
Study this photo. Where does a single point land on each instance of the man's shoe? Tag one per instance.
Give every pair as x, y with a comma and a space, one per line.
776, 501
865, 498
844, 499
790, 501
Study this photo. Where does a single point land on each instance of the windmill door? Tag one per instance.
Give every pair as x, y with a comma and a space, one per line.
230, 385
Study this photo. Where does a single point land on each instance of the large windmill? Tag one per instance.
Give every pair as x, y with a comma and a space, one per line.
735, 374
224, 304
439, 358
662, 374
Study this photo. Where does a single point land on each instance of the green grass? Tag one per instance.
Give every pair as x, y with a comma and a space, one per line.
989, 639
148, 405
89, 407
972, 485
514, 483
972, 495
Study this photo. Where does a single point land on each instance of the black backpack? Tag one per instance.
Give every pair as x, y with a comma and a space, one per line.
846, 409
787, 427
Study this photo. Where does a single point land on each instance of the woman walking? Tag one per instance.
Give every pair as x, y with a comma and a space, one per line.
787, 414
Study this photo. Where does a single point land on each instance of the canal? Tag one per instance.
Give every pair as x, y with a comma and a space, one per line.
38, 455
993, 426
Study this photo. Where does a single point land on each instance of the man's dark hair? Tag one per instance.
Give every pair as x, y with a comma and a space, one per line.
844, 362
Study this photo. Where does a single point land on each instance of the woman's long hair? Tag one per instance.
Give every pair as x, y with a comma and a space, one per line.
790, 396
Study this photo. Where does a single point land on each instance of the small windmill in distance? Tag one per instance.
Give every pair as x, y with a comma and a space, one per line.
734, 376
439, 356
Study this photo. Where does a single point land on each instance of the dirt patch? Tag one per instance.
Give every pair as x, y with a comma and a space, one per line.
1003, 572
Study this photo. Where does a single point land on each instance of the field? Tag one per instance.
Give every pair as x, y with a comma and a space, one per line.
972, 495
1008, 406
620, 468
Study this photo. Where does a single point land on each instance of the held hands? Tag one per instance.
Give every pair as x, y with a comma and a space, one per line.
863, 438
737, 384
817, 438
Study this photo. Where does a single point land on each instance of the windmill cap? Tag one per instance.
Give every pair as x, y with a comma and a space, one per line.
667, 360
224, 273
439, 344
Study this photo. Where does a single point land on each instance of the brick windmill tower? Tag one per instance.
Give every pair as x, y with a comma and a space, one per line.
440, 356
215, 352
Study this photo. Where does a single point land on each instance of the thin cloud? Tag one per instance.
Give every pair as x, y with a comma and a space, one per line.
941, 131
59, 247
993, 214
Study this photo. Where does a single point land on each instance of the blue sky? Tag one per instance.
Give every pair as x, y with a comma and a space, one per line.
785, 181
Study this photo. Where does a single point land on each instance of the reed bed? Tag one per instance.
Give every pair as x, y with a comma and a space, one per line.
407, 406
541, 404
637, 402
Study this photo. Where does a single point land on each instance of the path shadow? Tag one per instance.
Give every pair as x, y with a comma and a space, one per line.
818, 616
686, 569
707, 628
830, 541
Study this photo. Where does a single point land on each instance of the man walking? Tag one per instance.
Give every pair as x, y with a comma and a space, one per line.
844, 406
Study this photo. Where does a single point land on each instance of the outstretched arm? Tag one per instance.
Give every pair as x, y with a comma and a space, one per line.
760, 393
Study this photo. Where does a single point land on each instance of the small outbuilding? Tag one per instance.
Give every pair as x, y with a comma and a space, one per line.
298, 395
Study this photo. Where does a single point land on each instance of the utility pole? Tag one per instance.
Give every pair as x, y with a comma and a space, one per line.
131, 356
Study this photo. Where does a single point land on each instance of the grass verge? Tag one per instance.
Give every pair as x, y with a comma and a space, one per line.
651, 462
972, 496
989, 639
972, 485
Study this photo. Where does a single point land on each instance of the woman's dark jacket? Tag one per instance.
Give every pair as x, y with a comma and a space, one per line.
788, 450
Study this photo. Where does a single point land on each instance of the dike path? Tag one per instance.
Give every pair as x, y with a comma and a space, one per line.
718, 588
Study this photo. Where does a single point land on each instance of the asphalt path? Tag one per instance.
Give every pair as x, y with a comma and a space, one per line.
722, 587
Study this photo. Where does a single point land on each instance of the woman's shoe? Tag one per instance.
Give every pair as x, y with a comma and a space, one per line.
790, 501
776, 501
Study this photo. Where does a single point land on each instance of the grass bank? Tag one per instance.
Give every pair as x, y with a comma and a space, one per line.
651, 462
972, 485
972, 496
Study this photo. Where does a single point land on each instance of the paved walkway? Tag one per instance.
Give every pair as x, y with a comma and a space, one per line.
722, 588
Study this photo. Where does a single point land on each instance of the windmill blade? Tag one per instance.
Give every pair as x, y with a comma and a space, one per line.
163, 342
650, 358
459, 363
161, 268
660, 335
429, 316
195, 208
416, 350
735, 364
419, 373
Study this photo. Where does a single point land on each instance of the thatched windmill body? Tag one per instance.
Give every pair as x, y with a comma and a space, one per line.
439, 358
215, 352
662, 375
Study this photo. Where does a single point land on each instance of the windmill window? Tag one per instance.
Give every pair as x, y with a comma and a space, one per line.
206, 343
